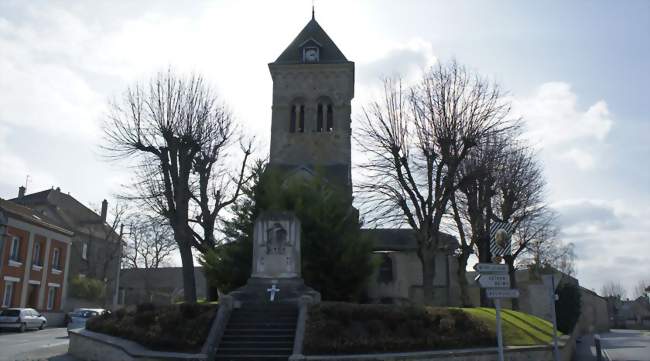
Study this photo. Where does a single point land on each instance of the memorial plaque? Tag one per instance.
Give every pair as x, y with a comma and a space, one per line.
276, 251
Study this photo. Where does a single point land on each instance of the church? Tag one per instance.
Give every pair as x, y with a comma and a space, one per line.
311, 130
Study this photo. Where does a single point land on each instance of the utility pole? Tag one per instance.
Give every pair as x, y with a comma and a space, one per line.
119, 268
549, 281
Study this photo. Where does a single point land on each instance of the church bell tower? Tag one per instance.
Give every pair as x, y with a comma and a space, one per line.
313, 86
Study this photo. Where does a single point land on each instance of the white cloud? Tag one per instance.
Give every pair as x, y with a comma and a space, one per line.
15, 169
582, 158
58, 66
40, 91
555, 123
610, 239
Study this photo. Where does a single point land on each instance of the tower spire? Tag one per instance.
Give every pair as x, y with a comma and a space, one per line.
313, 15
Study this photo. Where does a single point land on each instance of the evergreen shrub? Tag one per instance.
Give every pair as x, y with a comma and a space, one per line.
567, 306
347, 328
181, 328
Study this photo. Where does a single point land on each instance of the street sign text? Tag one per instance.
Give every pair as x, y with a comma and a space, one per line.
486, 268
502, 293
494, 281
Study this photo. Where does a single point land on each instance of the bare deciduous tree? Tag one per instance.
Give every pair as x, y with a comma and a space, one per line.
519, 200
179, 134
104, 246
472, 205
501, 181
642, 289
415, 141
613, 289
109, 235
148, 242
544, 248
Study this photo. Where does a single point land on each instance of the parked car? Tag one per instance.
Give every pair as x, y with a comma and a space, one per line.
68, 316
22, 319
78, 318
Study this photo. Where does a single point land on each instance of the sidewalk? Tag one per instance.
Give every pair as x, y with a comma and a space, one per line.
586, 349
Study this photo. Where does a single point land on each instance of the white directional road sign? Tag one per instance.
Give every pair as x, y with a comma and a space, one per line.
493, 268
493, 281
502, 293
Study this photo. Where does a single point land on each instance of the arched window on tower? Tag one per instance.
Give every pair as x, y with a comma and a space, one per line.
319, 118
301, 123
324, 115
386, 269
330, 118
292, 120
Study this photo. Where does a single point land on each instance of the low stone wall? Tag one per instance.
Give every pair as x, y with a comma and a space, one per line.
54, 319
513, 353
535, 353
93, 346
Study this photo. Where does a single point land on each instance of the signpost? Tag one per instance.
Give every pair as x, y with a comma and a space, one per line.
491, 268
494, 277
549, 281
491, 281
500, 233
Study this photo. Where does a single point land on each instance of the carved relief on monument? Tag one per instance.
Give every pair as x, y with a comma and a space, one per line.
276, 239
277, 246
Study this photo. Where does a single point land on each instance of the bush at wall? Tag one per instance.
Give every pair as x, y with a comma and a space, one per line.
340, 328
182, 327
87, 288
567, 307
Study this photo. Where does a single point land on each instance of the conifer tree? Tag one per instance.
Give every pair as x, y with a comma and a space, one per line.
336, 258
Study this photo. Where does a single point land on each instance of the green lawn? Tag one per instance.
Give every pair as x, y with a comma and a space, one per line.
519, 329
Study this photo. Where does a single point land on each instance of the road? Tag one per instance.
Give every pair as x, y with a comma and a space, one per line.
49, 344
626, 345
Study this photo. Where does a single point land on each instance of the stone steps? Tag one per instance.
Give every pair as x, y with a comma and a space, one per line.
259, 332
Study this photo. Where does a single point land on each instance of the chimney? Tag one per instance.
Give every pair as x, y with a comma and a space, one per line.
104, 210
21, 192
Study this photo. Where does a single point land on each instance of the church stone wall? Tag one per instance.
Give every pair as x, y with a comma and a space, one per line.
306, 84
406, 287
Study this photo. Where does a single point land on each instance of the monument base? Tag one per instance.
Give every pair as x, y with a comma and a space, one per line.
289, 291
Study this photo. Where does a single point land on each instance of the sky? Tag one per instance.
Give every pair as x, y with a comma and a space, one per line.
575, 71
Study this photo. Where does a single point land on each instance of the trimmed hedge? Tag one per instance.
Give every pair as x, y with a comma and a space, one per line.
181, 328
338, 328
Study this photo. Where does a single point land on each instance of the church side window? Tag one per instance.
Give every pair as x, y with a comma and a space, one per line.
319, 118
292, 121
386, 269
301, 123
330, 118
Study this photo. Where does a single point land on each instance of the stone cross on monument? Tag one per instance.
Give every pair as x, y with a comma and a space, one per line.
273, 290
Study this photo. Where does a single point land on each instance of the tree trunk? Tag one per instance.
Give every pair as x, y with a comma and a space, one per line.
465, 300
510, 261
189, 284
485, 256
427, 258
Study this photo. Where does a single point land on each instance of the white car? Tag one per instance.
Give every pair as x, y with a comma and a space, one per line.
22, 319
78, 318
